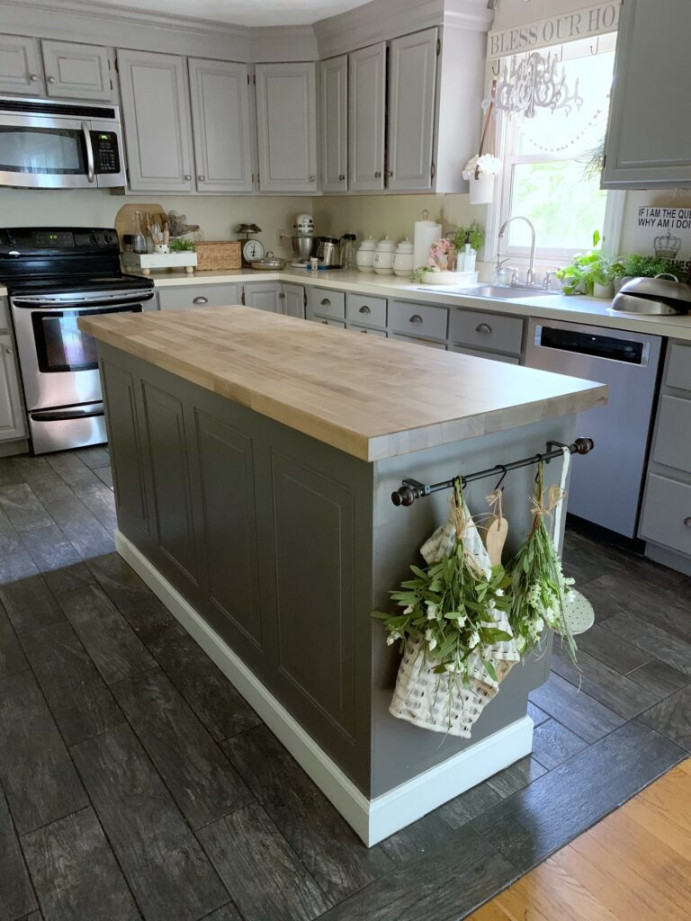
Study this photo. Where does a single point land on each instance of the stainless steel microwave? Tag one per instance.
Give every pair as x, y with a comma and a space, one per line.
60, 145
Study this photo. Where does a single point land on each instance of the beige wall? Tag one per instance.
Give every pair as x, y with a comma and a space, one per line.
216, 216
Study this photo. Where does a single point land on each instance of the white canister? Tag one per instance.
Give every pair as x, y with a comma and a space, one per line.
364, 259
386, 246
368, 245
383, 262
403, 262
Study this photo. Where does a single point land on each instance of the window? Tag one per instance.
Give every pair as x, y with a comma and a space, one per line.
548, 174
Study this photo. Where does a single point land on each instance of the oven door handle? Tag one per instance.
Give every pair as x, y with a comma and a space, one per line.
86, 131
36, 302
64, 415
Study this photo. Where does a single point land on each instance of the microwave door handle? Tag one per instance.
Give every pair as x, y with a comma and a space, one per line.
91, 174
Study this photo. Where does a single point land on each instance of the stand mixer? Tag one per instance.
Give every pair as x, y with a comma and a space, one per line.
303, 240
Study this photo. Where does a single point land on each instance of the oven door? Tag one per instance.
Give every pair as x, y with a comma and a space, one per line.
58, 362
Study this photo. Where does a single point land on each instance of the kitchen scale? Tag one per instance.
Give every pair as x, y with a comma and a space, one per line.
251, 249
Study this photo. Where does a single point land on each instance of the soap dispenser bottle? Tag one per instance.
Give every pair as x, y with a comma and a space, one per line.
469, 255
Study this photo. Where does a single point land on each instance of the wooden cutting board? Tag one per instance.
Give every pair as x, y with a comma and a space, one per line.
124, 219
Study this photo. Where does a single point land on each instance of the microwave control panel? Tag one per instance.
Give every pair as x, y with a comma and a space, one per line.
106, 152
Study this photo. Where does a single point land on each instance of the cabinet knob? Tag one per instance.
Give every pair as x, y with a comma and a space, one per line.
687, 521
365, 309
187, 177
416, 318
281, 295
51, 80
201, 300
325, 302
390, 174
483, 328
33, 78
311, 178
377, 175
201, 178
325, 322
363, 330
8, 350
341, 178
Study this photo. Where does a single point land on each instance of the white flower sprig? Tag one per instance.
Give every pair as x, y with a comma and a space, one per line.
485, 165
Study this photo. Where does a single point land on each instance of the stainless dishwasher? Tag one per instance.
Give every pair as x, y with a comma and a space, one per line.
606, 485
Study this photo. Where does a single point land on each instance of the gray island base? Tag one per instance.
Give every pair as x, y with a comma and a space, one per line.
271, 543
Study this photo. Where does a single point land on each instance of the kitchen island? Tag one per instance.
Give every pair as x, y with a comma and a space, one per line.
254, 456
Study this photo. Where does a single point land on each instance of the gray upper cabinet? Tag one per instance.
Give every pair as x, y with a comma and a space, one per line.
366, 116
411, 95
75, 71
156, 114
20, 65
649, 138
287, 127
334, 124
219, 91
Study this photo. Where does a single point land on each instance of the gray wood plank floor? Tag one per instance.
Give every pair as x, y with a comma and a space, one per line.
135, 782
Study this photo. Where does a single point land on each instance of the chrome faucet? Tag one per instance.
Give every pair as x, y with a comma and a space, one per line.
530, 274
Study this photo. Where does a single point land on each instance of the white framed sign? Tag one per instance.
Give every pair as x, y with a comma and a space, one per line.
556, 30
664, 229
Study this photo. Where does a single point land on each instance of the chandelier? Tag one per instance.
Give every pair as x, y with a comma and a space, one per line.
525, 83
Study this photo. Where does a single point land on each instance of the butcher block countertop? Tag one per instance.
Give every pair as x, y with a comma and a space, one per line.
369, 397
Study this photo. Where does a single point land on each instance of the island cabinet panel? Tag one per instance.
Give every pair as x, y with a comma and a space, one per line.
314, 545
169, 475
224, 458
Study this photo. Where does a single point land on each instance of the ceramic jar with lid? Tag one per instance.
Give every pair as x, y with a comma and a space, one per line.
404, 258
364, 258
383, 257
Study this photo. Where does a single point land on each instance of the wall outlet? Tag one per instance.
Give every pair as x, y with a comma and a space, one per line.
282, 237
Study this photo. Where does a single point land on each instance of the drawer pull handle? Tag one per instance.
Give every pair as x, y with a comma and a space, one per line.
201, 300
363, 331
483, 328
377, 175
325, 322
365, 309
325, 302
341, 178
687, 521
416, 318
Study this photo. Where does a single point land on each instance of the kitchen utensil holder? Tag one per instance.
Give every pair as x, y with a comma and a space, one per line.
413, 489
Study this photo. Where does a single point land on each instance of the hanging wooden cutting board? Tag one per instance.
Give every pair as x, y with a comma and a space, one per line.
124, 219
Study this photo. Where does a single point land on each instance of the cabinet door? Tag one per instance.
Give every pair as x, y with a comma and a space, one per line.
186, 297
412, 86
649, 138
12, 421
264, 296
76, 71
287, 127
20, 65
293, 302
156, 115
219, 92
366, 114
334, 124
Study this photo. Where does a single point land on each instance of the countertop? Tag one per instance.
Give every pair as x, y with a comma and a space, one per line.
369, 397
575, 309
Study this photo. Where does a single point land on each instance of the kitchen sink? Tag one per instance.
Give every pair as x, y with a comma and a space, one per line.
493, 291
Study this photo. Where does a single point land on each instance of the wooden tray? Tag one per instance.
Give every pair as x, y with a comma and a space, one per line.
124, 219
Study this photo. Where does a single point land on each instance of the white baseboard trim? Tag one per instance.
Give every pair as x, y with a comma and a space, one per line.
372, 820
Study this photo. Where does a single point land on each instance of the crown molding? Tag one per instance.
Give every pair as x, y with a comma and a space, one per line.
97, 22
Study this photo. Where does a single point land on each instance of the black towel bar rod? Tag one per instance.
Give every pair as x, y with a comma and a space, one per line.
413, 489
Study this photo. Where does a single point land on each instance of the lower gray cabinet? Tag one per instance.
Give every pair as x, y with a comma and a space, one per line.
325, 304
486, 332
264, 296
493, 356
666, 514
421, 321
12, 419
293, 301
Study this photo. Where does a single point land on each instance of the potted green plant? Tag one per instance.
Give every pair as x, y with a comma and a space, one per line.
474, 231
590, 273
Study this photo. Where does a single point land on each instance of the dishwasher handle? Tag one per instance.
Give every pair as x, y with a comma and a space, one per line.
596, 345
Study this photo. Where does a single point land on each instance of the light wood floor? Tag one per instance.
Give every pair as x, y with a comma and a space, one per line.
635, 864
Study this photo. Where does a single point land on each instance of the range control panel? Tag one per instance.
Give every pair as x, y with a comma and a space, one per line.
20, 242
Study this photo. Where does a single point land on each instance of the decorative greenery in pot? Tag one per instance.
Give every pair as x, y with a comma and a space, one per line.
477, 236
636, 266
182, 246
589, 269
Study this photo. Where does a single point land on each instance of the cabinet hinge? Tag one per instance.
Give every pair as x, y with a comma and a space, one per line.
438, 47
433, 170
242, 299
604, 161
248, 79
254, 79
